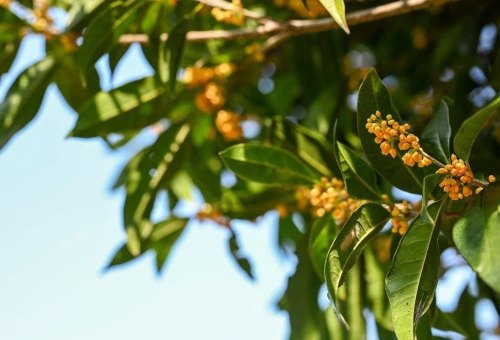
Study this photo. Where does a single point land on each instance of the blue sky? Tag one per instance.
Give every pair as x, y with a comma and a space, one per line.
60, 223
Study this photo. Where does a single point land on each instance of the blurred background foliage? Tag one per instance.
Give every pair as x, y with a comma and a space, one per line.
207, 95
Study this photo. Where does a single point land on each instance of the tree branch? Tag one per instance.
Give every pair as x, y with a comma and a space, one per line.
297, 27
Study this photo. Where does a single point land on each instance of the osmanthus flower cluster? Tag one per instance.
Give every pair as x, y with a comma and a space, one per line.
233, 16
459, 181
212, 98
330, 196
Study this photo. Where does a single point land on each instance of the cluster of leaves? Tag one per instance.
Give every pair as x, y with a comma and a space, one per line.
307, 125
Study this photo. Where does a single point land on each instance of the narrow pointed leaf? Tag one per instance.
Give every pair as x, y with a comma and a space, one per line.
24, 98
435, 138
322, 235
105, 30
237, 255
131, 106
268, 164
336, 8
359, 178
412, 278
373, 96
163, 238
348, 245
144, 181
469, 130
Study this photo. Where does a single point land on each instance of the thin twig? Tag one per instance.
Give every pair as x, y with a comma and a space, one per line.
297, 27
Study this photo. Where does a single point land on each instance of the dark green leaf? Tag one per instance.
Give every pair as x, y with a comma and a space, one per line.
375, 289
476, 236
268, 164
348, 245
336, 8
413, 276
300, 299
460, 319
309, 145
163, 238
24, 98
359, 178
466, 135
121, 256
82, 12
436, 135
322, 235
373, 96
236, 254
175, 46
144, 180
131, 106
105, 30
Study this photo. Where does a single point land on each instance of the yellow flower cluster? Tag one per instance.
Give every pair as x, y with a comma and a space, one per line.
330, 196
228, 124
387, 132
232, 17
199, 76
315, 7
211, 96
5, 3
400, 214
43, 22
459, 180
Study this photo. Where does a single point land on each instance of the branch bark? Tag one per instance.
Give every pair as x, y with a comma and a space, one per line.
296, 27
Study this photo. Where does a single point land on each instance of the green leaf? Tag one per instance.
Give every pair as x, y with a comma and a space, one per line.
469, 130
322, 235
412, 278
24, 98
311, 146
121, 256
267, 164
163, 238
131, 106
476, 236
241, 260
373, 96
104, 31
359, 178
300, 299
81, 12
336, 8
360, 228
430, 183
435, 138
150, 171
375, 288
175, 46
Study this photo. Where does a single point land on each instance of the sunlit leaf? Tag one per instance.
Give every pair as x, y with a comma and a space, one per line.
24, 98
131, 106
412, 278
268, 164
163, 238
336, 8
